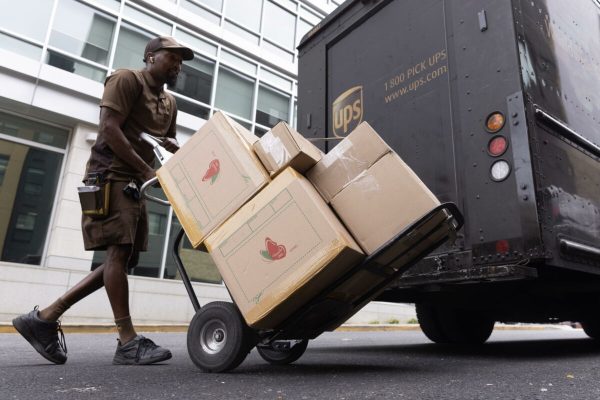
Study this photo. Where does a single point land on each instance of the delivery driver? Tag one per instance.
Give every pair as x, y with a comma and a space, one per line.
133, 102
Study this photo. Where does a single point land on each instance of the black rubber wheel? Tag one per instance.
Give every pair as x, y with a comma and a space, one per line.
591, 328
218, 339
430, 324
276, 355
447, 325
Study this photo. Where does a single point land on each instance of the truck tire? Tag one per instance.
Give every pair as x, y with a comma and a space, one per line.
218, 339
430, 324
448, 325
591, 328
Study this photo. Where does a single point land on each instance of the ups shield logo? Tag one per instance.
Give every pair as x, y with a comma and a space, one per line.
347, 111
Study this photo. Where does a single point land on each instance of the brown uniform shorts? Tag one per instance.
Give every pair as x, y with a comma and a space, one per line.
126, 223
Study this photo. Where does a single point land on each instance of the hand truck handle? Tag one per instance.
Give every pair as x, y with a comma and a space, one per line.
144, 192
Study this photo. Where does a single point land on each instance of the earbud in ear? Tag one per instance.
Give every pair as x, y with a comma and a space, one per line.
152, 60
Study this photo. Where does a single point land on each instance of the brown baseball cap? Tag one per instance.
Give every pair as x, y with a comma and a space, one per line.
168, 43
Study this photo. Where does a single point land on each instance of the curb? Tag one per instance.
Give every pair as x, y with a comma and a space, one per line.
8, 328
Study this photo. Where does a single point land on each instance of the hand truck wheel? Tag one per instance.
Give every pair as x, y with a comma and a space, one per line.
281, 352
218, 339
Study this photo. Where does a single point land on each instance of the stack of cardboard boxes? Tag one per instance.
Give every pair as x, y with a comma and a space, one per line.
283, 221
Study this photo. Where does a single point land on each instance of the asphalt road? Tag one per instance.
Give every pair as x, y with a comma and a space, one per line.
532, 364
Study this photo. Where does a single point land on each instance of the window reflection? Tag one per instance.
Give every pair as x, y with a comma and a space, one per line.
38, 16
130, 47
198, 265
234, 93
272, 107
195, 79
28, 182
89, 38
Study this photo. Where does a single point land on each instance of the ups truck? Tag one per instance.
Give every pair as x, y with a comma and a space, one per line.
495, 104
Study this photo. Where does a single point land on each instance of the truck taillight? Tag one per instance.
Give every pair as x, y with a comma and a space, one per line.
497, 146
500, 170
502, 246
495, 122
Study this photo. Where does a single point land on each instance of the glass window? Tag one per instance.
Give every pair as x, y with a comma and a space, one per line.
71, 65
20, 47
271, 107
90, 37
214, 4
192, 108
195, 42
130, 47
238, 62
241, 32
27, 189
155, 23
22, 128
275, 80
200, 11
198, 265
245, 12
3, 164
234, 93
303, 28
278, 51
195, 79
29, 18
279, 25
245, 124
150, 261
295, 124
309, 16
114, 5
258, 131
292, 5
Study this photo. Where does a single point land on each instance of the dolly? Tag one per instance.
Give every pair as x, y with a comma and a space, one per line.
219, 339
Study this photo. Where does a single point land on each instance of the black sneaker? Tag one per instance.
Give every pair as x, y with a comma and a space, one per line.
140, 351
43, 336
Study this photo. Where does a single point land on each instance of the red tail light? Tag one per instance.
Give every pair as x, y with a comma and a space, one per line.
497, 146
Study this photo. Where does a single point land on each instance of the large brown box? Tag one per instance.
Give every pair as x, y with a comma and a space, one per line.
212, 176
283, 147
281, 249
382, 201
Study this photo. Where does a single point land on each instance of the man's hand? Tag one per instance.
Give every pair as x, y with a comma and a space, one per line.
170, 144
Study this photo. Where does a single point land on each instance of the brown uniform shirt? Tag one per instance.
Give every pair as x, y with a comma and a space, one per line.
147, 108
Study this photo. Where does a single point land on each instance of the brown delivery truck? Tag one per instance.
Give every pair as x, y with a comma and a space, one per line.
496, 106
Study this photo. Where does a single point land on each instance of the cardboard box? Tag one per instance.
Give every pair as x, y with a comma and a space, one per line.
283, 147
353, 155
212, 176
382, 201
281, 249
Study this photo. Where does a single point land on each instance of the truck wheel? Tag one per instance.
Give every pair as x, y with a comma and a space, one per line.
283, 352
591, 328
218, 339
430, 324
454, 326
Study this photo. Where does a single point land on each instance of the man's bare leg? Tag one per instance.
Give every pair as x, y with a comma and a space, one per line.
117, 289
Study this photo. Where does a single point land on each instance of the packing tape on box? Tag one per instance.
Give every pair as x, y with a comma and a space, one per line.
365, 182
275, 147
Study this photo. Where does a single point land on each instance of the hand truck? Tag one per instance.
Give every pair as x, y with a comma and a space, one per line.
219, 339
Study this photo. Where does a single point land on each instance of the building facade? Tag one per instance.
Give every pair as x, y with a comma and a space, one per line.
54, 57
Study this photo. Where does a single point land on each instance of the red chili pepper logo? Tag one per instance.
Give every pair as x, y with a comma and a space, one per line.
212, 172
274, 251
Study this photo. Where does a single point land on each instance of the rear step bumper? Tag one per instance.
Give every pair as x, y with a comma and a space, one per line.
571, 248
